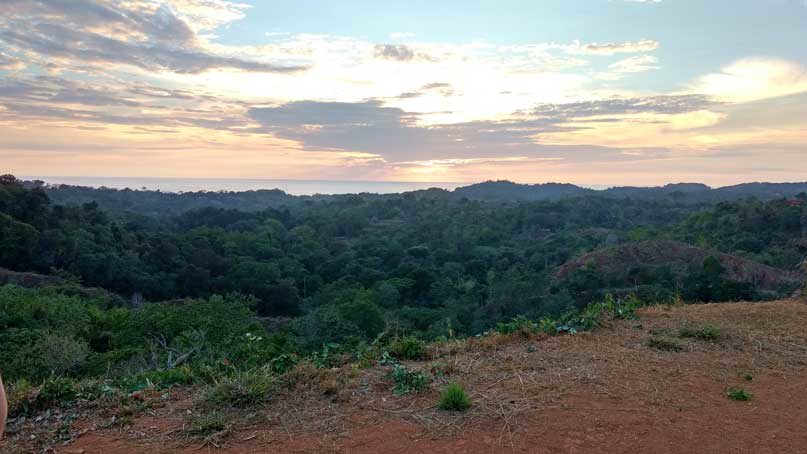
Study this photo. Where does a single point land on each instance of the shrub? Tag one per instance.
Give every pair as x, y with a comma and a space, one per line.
325, 357
159, 379
738, 394
705, 332
20, 398
407, 348
54, 392
407, 381
454, 398
548, 326
284, 362
208, 423
92, 389
53, 354
242, 390
520, 325
664, 344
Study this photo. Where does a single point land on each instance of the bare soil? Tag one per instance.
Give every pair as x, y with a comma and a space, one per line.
607, 392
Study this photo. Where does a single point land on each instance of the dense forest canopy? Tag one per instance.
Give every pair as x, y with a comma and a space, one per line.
345, 269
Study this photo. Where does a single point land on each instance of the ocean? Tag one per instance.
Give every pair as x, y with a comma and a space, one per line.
294, 187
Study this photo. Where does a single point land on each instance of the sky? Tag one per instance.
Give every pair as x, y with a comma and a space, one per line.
594, 92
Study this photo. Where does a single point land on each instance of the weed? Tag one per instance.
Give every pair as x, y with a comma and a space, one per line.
242, 390
621, 309
441, 369
387, 359
208, 423
454, 398
548, 326
667, 345
21, 396
159, 379
407, 348
324, 358
705, 332
520, 324
738, 394
99, 392
284, 363
407, 381
55, 391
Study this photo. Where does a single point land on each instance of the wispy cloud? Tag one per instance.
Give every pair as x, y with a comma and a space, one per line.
611, 48
636, 64
753, 79
143, 34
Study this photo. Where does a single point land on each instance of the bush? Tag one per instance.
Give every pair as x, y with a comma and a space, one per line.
519, 325
407, 348
407, 381
738, 394
284, 363
454, 398
49, 354
54, 392
243, 390
706, 332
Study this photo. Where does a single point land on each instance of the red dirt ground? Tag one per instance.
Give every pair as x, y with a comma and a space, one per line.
604, 392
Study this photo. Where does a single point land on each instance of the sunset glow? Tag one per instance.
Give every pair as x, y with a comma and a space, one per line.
548, 91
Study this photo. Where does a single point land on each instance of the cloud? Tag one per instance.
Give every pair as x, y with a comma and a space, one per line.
402, 141
329, 114
9, 63
157, 23
636, 64
54, 99
400, 52
143, 34
754, 79
369, 126
671, 104
606, 49
397, 52
439, 88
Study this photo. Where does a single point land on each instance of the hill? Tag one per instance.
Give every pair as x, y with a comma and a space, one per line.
507, 190
159, 203
656, 384
680, 258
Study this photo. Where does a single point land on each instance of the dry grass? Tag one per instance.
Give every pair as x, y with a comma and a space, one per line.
513, 381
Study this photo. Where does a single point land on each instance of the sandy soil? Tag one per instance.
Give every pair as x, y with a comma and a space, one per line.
604, 392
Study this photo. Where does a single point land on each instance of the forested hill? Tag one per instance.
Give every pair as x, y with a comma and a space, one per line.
164, 203
342, 273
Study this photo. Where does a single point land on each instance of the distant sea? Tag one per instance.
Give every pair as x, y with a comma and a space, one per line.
294, 187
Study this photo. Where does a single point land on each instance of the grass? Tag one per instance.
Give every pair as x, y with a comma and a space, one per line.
705, 332
738, 394
407, 381
454, 398
208, 423
243, 390
409, 348
667, 345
